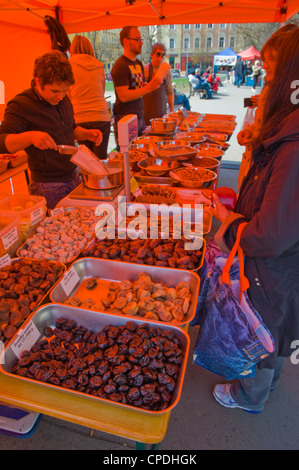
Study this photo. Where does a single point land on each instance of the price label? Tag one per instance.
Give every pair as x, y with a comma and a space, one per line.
10, 238
36, 215
57, 211
5, 260
134, 187
25, 339
70, 280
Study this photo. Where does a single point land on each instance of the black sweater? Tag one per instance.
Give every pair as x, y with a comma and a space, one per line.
27, 111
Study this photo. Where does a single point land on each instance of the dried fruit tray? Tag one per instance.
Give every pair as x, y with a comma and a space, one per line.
19, 298
50, 315
116, 290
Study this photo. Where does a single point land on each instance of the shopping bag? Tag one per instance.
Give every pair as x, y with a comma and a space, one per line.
249, 117
232, 337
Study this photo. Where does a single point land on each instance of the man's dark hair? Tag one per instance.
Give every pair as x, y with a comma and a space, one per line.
125, 33
53, 67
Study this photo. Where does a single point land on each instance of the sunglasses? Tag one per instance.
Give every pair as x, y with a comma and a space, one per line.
136, 39
160, 54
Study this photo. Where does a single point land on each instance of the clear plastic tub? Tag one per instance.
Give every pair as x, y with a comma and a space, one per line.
30, 210
10, 235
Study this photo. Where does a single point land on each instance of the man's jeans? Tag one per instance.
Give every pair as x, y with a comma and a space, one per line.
204, 86
54, 192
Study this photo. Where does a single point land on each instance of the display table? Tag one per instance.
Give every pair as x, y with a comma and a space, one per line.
141, 427
11, 172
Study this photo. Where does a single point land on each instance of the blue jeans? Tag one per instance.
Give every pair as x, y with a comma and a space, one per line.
238, 80
204, 86
252, 393
99, 150
54, 192
182, 99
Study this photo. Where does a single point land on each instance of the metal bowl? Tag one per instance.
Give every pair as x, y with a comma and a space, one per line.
194, 177
141, 147
163, 125
176, 152
191, 138
114, 178
203, 162
157, 166
210, 151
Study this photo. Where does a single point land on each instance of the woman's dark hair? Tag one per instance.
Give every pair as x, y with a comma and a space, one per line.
279, 102
53, 67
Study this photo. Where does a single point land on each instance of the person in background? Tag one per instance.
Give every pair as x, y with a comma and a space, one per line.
269, 203
239, 70
87, 94
257, 71
214, 82
39, 119
247, 135
198, 83
155, 103
181, 98
128, 79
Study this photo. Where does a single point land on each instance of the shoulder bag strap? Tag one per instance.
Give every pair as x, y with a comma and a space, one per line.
244, 283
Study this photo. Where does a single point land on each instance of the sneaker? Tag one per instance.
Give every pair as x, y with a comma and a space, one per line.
222, 395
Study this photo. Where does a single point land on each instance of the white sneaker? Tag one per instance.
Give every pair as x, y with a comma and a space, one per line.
222, 395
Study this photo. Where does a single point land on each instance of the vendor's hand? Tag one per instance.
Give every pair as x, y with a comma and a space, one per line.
244, 137
94, 135
218, 210
42, 140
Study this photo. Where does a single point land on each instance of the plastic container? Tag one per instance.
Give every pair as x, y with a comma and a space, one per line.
10, 234
30, 210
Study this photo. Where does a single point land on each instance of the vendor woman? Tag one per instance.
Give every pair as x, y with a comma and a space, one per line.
39, 119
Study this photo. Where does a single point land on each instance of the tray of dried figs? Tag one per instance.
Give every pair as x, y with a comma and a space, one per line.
24, 285
123, 363
63, 236
129, 289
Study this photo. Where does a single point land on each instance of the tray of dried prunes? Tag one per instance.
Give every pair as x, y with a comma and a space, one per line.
134, 364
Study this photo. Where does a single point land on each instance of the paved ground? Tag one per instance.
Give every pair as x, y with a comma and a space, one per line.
197, 422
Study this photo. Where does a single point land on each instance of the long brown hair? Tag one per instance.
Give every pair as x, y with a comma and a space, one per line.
279, 102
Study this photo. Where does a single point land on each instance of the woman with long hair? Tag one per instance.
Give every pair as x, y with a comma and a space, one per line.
269, 203
87, 93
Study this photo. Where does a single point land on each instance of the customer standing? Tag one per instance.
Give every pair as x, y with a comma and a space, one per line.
257, 72
155, 103
239, 71
269, 203
128, 79
248, 135
39, 119
87, 93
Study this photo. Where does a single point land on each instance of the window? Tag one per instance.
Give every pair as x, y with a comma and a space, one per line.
171, 26
222, 25
171, 43
197, 42
197, 26
210, 26
209, 42
186, 42
232, 42
186, 26
221, 42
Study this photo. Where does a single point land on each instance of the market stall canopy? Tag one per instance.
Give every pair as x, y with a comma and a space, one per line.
226, 57
24, 36
250, 54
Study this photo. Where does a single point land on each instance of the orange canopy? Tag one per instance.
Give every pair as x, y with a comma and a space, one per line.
23, 34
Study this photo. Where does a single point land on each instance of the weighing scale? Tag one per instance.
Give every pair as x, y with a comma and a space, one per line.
84, 196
